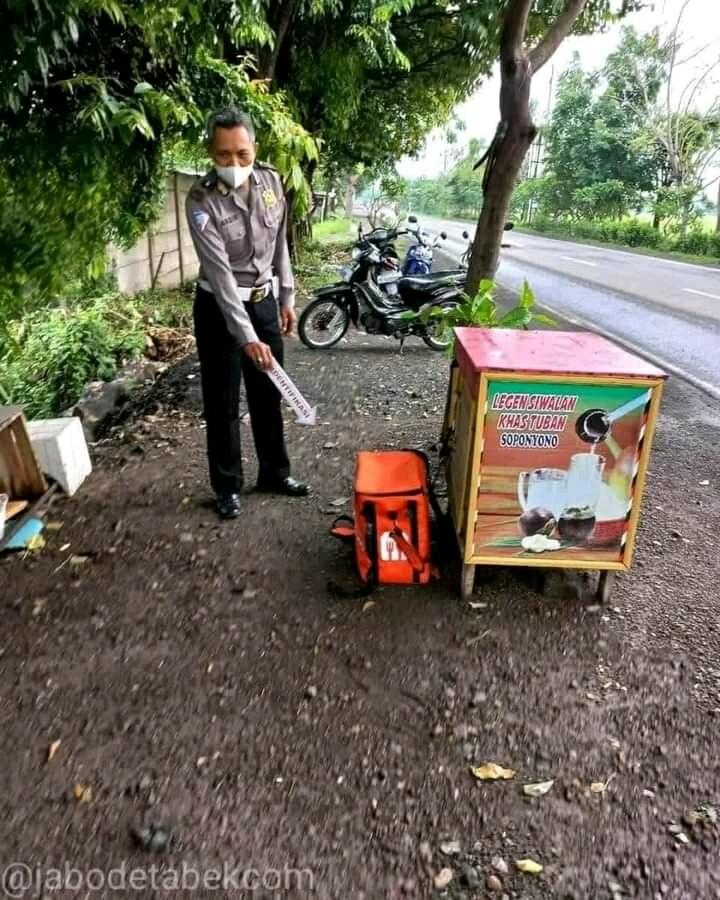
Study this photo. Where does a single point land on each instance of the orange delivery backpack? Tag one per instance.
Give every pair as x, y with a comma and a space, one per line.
391, 528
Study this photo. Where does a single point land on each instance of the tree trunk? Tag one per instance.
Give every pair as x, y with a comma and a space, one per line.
505, 166
349, 200
717, 223
516, 131
280, 23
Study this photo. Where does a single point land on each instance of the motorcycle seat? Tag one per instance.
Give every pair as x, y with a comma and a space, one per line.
420, 282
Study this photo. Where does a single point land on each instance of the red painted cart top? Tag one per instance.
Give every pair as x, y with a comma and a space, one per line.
547, 352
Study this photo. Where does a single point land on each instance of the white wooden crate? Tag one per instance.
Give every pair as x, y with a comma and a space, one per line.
61, 451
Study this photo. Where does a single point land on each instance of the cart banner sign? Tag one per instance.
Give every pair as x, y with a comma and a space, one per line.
558, 469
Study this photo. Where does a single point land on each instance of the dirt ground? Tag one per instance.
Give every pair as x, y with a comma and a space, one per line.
202, 676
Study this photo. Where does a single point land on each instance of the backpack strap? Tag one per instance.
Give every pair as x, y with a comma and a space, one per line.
407, 548
343, 528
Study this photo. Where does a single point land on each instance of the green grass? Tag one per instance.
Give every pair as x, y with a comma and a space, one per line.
333, 230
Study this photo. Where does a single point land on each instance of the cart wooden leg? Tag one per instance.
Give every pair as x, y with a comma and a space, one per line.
467, 580
605, 586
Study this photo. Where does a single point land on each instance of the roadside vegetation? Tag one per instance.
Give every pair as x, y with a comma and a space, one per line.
623, 159
50, 355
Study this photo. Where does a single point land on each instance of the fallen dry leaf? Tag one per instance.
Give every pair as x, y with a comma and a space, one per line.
529, 866
53, 526
37, 542
492, 772
82, 793
64, 548
539, 789
53, 749
450, 848
598, 787
368, 605
443, 879
39, 606
79, 559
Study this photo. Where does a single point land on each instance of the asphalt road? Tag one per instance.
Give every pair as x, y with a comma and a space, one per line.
666, 309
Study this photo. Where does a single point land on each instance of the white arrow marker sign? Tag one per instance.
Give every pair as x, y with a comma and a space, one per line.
306, 414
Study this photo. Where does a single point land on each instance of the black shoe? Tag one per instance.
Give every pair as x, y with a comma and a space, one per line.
288, 486
228, 506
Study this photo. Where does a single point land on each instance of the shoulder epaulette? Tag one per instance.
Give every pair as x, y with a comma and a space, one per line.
201, 187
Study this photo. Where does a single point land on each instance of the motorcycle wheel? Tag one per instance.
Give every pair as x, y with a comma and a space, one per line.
323, 323
437, 337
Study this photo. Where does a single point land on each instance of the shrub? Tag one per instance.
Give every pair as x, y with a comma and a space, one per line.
699, 243
631, 233
56, 352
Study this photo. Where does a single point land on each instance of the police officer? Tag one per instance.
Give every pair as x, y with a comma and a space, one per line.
237, 216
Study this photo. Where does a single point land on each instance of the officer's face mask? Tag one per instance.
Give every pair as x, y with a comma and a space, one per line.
234, 176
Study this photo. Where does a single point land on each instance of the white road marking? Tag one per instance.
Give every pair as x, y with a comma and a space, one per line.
701, 293
583, 262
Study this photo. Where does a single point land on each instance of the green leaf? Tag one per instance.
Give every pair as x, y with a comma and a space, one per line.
516, 318
527, 298
142, 88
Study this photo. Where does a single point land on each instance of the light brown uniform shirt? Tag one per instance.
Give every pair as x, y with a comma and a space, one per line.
241, 244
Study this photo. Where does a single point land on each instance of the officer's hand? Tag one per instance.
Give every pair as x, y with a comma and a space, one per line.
260, 354
287, 320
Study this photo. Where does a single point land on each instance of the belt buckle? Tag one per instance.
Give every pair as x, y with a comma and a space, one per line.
257, 294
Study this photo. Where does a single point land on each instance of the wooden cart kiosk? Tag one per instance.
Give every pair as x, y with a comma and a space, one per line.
549, 435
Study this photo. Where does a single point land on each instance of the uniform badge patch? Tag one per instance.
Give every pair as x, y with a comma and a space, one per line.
200, 219
269, 199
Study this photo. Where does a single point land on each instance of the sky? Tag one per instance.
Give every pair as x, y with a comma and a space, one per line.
700, 27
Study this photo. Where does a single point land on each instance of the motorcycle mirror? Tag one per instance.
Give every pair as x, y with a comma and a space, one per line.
443, 235
466, 235
412, 219
509, 226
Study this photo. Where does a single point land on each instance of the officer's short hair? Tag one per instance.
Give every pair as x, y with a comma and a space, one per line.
229, 117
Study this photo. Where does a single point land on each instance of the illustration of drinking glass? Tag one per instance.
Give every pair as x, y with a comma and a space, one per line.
542, 489
584, 483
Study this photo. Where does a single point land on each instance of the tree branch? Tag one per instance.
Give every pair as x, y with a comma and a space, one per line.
556, 34
514, 28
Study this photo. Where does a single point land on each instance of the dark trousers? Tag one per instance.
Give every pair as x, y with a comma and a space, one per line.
222, 367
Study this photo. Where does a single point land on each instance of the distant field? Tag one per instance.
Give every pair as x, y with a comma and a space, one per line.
708, 221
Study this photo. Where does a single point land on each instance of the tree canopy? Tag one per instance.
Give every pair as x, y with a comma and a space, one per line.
97, 95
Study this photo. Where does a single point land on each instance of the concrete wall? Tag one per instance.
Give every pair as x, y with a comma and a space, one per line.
164, 256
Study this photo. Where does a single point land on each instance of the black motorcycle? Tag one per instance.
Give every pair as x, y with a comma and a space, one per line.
388, 271
359, 299
389, 275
